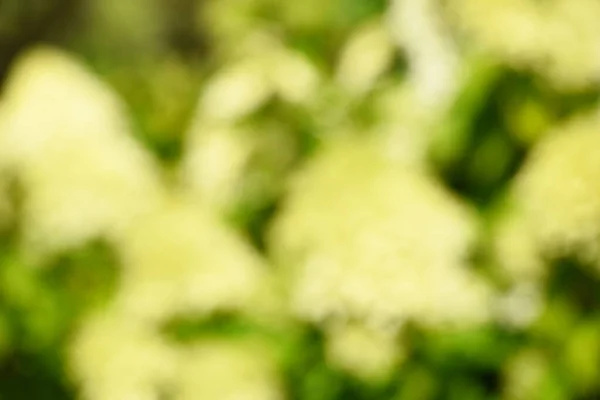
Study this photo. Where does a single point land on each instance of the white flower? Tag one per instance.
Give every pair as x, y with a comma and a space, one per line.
65, 136
293, 76
235, 91
113, 356
363, 239
515, 248
367, 353
434, 61
179, 258
560, 39
559, 191
216, 162
366, 55
228, 370
236, 166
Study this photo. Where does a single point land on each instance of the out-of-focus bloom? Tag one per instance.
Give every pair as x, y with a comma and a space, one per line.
234, 159
382, 222
403, 124
519, 260
235, 91
558, 189
113, 356
216, 161
366, 55
408, 112
179, 258
263, 67
236, 166
228, 370
293, 76
434, 61
560, 39
368, 353
364, 239
65, 136
521, 305
515, 249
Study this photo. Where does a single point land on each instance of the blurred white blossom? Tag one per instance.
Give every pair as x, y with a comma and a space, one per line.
521, 305
560, 39
364, 239
113, 356
179, 258
558, 190
433, 57
236, 166
368, 353
295, 78
220, 369
235, 91
366, 55
216, 162
65, 137
514, 247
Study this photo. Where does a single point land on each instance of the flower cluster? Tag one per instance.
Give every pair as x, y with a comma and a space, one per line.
362, 238
557, 189
558, 39
84, 177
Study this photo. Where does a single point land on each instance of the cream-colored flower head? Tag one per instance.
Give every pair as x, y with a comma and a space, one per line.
514, 247
520, 262
263, 67
228, 370
179, 258
216, 161
365, 239
113, 356
365, 57
233, 167
65, 136
370, 354
559, 190
235, 91
366, 243
434, 71
560, 39
233, 160
407, 109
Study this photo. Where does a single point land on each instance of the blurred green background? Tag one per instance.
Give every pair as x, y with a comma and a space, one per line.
320, 200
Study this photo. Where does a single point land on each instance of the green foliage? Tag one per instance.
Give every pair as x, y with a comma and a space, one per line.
303, 200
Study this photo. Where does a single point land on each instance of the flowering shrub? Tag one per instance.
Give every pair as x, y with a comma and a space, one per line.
270, 200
